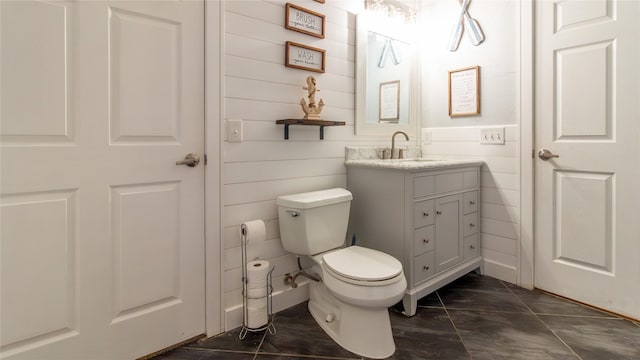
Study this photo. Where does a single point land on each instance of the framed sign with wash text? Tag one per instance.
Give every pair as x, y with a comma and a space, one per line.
304, 57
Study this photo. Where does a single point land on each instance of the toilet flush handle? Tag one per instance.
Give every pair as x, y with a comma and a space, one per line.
293, 213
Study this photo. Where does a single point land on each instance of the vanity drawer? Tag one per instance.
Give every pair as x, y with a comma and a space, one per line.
424, 266
449, 182
423, 186
470, 179
422, 213
470, 224
470, 202
471, 246
423, 240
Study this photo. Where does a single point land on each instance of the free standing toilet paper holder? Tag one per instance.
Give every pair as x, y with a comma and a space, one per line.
245, 297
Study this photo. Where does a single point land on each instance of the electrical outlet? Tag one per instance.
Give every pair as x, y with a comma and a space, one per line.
234, 130
493, 136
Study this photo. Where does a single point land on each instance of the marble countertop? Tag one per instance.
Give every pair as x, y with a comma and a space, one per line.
414, 164
365, 156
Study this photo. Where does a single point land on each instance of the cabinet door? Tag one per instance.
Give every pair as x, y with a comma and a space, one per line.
449, 250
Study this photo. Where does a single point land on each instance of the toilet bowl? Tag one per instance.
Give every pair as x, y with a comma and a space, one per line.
357, 284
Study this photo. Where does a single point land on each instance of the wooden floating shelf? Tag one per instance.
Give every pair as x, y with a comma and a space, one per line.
320, 123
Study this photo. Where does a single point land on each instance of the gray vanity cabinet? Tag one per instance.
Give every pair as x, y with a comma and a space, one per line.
427, 218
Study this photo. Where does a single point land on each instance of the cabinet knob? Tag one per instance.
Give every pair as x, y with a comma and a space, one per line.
472, 224
438, 212
472, 247
425, 268
472, 202
425, 214
425, 241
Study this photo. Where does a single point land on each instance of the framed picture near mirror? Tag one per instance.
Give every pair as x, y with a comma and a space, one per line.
389, 100
464, 91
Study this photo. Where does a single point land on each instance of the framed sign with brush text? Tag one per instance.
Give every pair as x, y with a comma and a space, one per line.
305, 21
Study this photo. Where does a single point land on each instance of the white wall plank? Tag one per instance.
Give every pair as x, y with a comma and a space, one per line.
259, 90
270, 190
268, 111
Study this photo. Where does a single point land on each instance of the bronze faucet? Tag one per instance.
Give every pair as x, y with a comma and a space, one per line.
393, 144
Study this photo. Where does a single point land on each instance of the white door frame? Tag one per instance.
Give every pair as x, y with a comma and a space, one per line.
526, 245
214, 113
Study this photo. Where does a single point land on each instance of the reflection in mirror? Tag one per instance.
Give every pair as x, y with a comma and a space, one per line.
389, 66
386, 63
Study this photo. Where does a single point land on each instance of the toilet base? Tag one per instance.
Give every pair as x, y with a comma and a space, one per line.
363, 331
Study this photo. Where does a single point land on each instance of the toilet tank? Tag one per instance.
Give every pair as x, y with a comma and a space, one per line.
314, 222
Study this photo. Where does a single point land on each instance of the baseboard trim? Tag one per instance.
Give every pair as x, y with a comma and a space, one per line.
500, 271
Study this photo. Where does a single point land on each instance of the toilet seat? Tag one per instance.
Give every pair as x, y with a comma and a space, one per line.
362, 266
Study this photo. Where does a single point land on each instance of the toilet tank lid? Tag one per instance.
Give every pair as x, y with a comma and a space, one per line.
314, 199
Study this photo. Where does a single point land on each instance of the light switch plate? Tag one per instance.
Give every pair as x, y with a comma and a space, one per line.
492, 136
234, 130
426, 137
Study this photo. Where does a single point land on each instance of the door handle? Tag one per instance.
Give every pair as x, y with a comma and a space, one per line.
191, 160
545, 154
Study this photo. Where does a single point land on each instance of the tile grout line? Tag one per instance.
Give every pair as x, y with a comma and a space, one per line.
480, 310
264, 336
310, 356
541, 321
454, 326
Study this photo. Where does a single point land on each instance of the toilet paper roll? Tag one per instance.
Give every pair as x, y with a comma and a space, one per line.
257, 274
257, 292
257, 313
254, 230
257, 303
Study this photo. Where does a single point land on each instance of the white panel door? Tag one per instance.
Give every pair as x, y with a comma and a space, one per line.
102, 234
587, 200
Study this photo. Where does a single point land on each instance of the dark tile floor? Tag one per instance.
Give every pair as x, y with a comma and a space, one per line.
476, 317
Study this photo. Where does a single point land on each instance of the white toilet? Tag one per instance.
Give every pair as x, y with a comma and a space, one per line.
358, 284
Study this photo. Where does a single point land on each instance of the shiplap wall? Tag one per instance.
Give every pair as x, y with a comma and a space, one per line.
499, 191
259, 89
499, 61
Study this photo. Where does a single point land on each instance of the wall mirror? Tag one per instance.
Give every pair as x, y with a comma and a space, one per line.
386, 72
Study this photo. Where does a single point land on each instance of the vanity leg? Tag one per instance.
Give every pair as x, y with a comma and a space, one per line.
410, 303
479, 270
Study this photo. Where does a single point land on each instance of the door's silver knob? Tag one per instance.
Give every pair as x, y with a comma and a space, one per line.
191, 160
545, 154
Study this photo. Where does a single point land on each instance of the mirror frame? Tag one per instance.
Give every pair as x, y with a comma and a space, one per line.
362, 127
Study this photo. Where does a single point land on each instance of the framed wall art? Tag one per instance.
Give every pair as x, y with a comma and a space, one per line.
305, 21
464, 91
389, 101
304, 57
